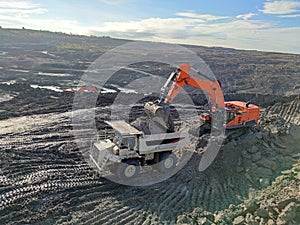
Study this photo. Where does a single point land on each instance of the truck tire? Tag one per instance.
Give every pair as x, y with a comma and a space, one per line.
167, 162
128, 169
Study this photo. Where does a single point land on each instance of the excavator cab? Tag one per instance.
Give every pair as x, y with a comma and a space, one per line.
230, 115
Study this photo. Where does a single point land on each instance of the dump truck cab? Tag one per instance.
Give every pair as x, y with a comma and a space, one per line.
126, 137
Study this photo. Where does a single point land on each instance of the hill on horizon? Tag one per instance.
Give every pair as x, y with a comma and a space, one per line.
37, 57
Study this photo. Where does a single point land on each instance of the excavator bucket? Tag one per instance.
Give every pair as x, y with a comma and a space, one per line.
159, 118
153, 110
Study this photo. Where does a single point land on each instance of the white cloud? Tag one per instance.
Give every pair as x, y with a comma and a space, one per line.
184, 27
236, 33
290, 16
17, 4
204, 17
281, 7
115, 2
67, 26
21, 12
19, 9
245, 16
157, 25
17, 14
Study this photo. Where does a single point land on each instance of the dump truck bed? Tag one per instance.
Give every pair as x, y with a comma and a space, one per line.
123, 128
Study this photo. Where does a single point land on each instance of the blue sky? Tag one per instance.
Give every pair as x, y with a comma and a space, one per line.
244, 24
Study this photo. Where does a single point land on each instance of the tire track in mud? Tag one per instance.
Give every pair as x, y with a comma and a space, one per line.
289, 111
38, 164
46, 178
33, 176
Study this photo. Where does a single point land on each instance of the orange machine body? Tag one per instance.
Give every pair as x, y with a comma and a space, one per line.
238, 113
241, 114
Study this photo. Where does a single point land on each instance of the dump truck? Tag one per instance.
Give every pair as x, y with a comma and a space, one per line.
131, 149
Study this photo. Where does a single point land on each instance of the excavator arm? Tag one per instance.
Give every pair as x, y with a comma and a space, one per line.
210, 87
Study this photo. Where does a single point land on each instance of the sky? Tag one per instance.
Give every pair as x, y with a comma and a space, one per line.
267, 25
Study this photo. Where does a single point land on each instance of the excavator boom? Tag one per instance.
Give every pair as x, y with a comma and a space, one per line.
211, 88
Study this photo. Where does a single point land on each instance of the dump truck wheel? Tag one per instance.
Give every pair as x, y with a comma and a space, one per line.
167, 162
128, 169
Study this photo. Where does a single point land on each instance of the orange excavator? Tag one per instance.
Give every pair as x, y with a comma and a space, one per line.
237, 113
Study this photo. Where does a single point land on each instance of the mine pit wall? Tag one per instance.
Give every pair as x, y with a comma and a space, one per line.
265, 158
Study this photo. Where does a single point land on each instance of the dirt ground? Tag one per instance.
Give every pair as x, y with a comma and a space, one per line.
44, 179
